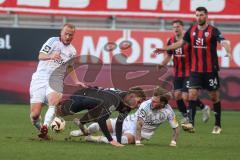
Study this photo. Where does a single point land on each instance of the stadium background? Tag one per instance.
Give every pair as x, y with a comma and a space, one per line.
26, 24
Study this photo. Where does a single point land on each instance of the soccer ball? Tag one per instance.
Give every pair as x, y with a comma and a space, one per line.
58, 124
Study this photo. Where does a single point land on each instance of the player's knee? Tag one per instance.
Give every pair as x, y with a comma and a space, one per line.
53, 101
178, 95
93, 128
214, 96
128, 138
185, 97
124, 140
193, 95
54, 98
214, 99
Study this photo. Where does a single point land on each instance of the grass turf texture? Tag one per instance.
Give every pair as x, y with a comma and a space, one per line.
18, 141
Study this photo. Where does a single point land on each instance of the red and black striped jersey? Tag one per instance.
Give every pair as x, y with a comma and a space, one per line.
203, 48
181, 59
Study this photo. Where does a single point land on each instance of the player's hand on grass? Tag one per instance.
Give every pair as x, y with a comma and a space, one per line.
138, 143
116, 144
55, 56
173, 143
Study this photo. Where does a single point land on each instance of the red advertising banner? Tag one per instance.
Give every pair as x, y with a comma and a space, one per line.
218, 9
15, 88
98, 43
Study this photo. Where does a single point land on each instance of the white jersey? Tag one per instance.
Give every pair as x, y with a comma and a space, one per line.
46, 67
152, 118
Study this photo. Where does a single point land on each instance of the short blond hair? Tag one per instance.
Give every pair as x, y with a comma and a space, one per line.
69, 25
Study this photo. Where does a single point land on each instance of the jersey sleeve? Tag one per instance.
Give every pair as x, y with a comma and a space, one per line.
187, 36
172, 119
48, 46
218, 35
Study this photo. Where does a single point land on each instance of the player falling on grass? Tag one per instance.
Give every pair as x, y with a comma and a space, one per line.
203, 39
181, 62
143, 123
55, 52
100, 103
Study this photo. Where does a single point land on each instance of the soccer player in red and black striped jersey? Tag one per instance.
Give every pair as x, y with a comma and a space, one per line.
181, 62
203, 39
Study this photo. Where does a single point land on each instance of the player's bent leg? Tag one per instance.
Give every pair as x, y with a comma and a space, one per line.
53, 99
193, 96
215, 96
93, 128
35, 117
185, 100
180, 103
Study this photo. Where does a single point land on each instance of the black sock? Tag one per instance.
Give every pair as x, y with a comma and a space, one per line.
200, 104
182, 107
217, 111
192, 111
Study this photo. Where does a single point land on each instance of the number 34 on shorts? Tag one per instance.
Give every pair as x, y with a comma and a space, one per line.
213, 82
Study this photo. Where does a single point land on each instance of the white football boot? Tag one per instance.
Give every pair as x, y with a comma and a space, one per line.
216, 130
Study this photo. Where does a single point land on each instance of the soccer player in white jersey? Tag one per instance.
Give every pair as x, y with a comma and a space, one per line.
54, 54
143, 123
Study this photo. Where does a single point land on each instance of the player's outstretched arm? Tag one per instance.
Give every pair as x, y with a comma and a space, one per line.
119, 125
175, 135
103, 125
173, 46
227, 46
138, 132
74, 77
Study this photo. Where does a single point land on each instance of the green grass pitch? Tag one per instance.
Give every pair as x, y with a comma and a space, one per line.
18, 141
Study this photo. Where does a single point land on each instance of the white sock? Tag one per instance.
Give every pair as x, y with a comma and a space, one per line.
103, 139
36, 122
49, 116
93, 128
124, 139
